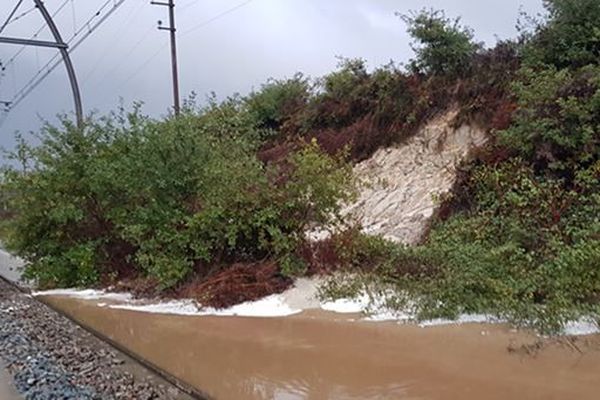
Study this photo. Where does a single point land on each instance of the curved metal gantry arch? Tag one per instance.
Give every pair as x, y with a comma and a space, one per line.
62, 47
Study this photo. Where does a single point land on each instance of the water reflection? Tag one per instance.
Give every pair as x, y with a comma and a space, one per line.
304, 358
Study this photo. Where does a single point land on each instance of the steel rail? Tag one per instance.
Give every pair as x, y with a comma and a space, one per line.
186, 388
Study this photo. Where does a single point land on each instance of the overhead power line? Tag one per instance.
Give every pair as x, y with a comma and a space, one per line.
43, 72
188, 5
12, 59
110, 43
23, 14
216, 17
147, 61
53, 62
12, 14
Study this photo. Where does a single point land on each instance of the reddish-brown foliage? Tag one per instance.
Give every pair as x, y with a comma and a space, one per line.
388, 106
321, 257
274, 153
236, 284
138, 286
503, 116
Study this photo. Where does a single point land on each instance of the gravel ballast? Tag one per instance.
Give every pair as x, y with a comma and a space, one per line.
51, 358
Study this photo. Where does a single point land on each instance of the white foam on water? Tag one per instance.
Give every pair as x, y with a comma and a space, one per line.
85, 294
462, 319
299, 298
272, 306
175, 307
581, 327
384, 315
347, 306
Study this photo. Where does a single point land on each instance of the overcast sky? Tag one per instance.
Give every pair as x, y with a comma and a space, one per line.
128, 58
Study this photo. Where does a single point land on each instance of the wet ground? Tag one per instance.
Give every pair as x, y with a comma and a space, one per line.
48, 357
316, 355
7, 390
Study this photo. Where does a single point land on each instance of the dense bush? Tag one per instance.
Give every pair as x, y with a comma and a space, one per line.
342, 98
518, 237
527, 251
443, 47
569, 37
558, 121
131, 196
277, 101
364, 110
524, 242
520, 250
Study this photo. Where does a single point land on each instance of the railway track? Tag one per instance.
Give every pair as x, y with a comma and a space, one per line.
189, 391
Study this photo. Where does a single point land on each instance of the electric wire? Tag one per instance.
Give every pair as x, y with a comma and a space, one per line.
216, 17
144, 64
196, 27
12, 13
188, 5
33, 83
23, 14
119, 33
53, 63
12, 59
74, 17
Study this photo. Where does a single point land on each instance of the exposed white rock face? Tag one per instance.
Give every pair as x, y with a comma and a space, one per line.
400, 183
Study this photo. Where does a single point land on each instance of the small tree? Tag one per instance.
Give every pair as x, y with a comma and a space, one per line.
442, 46
278, 99
569, 37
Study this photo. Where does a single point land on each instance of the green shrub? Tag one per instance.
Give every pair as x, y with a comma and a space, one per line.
342, 97
523, 241
569, 37
442, 46
130, 195
526, 251
558, 121
278, 101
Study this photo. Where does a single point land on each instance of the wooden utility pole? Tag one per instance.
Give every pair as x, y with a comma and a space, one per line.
172, 30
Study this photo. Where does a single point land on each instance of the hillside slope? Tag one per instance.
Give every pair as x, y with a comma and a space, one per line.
400, 184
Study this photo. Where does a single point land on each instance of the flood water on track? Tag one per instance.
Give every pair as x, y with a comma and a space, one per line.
319, 356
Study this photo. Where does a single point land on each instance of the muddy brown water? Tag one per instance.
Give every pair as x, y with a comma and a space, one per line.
316, 356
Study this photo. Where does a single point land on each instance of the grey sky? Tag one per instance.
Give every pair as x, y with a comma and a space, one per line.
234, 53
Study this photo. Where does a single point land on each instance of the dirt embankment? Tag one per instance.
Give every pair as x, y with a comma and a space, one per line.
400, 184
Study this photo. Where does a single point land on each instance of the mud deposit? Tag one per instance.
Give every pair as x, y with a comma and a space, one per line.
317, 356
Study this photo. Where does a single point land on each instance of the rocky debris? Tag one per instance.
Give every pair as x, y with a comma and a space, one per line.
52, 358
401, 183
